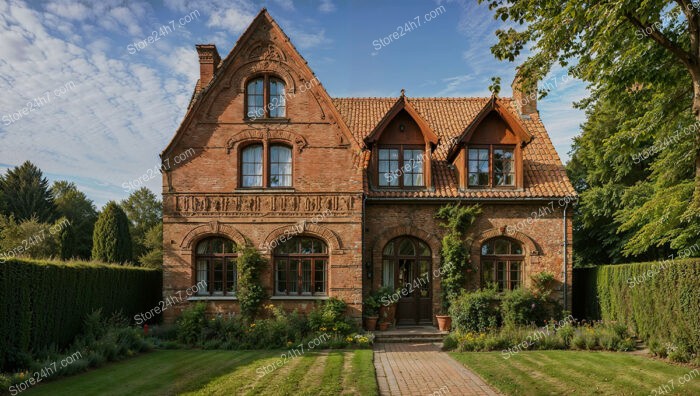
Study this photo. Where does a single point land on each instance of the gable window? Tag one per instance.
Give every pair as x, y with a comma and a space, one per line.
252, 166
502, 263
401, 166
491, 166
255, 172
266, 98
215, 265
301, 267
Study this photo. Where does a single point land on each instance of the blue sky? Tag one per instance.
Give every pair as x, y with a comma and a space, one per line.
100, 112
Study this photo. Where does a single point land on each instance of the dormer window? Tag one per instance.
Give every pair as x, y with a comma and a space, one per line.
401, 166
401, 145
266, 98
491, 166
489, 152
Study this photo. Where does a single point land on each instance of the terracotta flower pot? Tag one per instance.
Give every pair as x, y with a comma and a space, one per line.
444, 322
371, 323
383, 326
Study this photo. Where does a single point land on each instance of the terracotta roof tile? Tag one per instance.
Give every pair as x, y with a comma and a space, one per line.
544, 174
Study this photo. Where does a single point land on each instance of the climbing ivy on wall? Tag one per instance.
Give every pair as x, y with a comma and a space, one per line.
456, 219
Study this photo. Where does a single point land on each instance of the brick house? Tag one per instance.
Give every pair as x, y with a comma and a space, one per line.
340, 193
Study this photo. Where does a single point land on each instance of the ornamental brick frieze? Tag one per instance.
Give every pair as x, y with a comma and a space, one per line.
247, 205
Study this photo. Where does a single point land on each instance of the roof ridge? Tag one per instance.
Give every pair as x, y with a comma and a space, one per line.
413, 98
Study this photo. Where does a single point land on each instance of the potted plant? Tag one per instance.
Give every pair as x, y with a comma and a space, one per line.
371, 310
457, 220
444, 320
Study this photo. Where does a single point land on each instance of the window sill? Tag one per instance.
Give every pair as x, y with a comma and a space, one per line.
268, 120
258, 190
212, 298
299, 298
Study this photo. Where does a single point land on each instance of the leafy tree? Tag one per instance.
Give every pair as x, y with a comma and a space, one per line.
111, 241
640, 194
144, 211
76, 240
154, 244
29, 238
26, 194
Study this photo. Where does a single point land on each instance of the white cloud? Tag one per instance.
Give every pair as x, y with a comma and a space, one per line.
285, 4
233, 16
326, 6
117, 111
304, 40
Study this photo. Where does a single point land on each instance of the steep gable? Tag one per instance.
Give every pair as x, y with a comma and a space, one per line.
262, 48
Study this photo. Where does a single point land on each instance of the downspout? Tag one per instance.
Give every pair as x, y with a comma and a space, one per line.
566, 244
363, 266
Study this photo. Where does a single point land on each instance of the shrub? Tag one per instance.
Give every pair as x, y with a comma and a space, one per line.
330, 316
104, 340
681, 353
541, 284
475, 311
656, 348
450, 342
521, 307
566, 333
191, 324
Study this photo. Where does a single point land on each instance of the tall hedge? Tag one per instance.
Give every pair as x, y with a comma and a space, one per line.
111, 241
44, 303
661, 303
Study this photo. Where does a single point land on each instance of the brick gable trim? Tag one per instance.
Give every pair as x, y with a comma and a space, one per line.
304, 228
213, 228
528, 243
381, 240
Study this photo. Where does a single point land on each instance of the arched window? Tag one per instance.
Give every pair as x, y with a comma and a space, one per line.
252, 166
256, 98
301, 267
402, 254
278, 104
215, 260
502, 263
266, 98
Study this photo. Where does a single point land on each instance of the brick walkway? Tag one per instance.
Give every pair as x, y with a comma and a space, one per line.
422, 369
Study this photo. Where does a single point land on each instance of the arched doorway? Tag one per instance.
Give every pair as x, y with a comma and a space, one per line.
406, 266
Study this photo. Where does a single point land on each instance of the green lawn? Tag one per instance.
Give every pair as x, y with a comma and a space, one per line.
195, 372
581, 373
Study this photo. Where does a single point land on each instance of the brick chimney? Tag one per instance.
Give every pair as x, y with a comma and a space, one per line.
208, 63
525, 97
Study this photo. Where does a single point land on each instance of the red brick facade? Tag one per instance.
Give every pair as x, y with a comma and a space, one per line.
334, 196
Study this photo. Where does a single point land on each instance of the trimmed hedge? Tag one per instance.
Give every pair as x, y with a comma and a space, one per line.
45, 303
657, 303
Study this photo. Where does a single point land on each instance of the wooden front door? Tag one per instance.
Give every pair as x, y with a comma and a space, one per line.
407, 268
